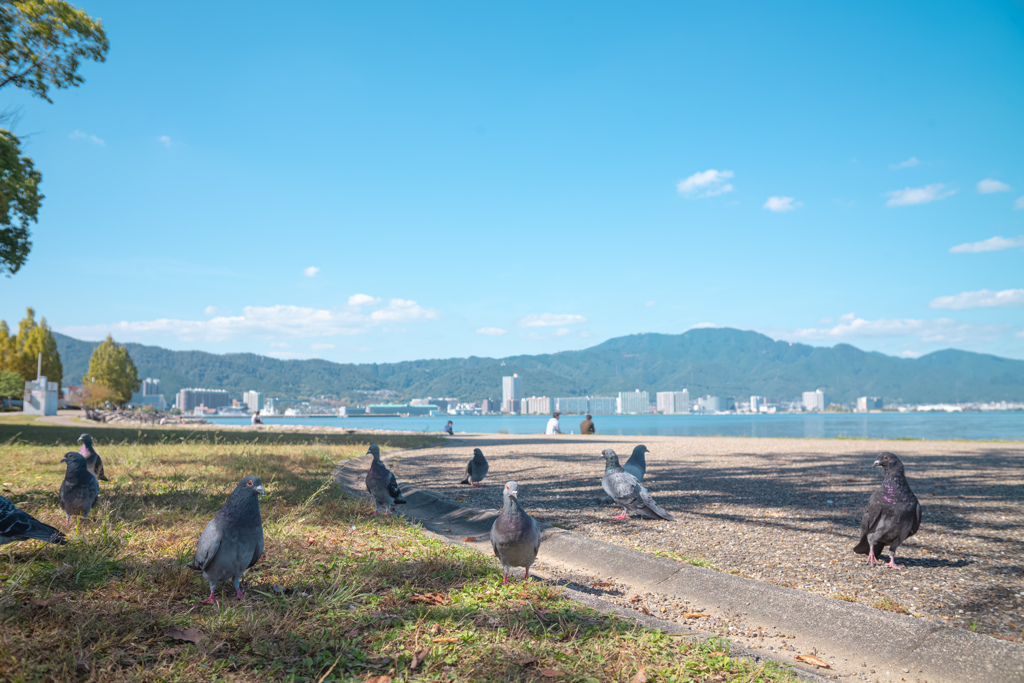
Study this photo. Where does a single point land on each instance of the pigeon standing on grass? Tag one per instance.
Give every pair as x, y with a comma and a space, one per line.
893, 514
476, 469
79, 490
233, 540
382, 485
92, 458
637, 463
515, 536
18, 525
626, 491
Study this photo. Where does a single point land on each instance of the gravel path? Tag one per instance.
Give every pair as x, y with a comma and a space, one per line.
781, 510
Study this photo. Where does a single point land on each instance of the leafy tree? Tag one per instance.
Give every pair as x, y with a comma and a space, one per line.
42, 44
19, 353
11, 384
95, 395
112, 367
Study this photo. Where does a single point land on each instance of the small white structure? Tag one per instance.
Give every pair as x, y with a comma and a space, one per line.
40, 397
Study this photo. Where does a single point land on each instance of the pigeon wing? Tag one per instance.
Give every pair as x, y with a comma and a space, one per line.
259, 551
17, 524
917, 519
208, 545
651, 506
393, 489
469, 472
622, 487
869, 521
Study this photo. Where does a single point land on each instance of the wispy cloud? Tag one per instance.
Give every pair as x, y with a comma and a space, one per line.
403, 310
988, 186
363, 300
562, 331
1019, 204
909, 196
705, 326
933, 331
991, 244
491, 331
79, 135
909, 163
164, 140
707, 183
320, 346
213, 310
551, 320
649, 304
909, 354
779, 204
311, 271
984, 298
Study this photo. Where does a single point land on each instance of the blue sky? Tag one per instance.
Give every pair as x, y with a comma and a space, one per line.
386, 181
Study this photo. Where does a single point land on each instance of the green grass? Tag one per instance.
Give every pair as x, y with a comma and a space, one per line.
677, 557
337, 596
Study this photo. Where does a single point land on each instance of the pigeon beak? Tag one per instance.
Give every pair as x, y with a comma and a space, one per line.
878, 463
259, 490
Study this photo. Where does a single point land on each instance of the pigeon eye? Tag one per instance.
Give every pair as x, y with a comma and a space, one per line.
250, 483
887, 457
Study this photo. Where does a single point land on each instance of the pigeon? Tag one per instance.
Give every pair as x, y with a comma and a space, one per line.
515, 536
92, 458
382, 485
626, 491
476, 469
17, 525
893, 514
233, 540
79, 490
637, 464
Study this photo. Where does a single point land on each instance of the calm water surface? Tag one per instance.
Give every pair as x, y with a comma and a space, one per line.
971, 426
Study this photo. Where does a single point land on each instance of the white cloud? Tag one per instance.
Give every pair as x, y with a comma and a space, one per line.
988, 186
79, 135
311, 271
403, 310
705, 326
491, 331
909, 163
938, 330
551, 320
991, 244
1019, 204
983, 298
279, 345
909, 354
363, 300
781, 204
318, 346
706, 184
213, 310
562, 331
909, 196
650, 304
1020, 335
164, 140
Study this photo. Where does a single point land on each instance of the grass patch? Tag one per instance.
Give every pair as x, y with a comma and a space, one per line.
677, 557
338, 595
845, 597
890, 605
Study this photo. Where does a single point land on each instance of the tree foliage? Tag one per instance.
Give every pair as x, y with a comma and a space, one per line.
19, 203
19, 352
112, 367
11, 384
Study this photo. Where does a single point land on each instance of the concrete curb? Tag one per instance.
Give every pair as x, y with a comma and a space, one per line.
904, 648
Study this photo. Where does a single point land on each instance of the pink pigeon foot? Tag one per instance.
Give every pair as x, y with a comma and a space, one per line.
238, 594
504, 579
210, 600
527, 574
624, 515
872, 560
892, 563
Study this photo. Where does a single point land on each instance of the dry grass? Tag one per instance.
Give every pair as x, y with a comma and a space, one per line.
337, 595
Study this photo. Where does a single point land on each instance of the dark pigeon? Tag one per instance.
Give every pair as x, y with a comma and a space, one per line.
476, 469
626, 491
637, 464
893, 514
233, 540
92, 458
79, 490
17, 525
382, 485
515, 536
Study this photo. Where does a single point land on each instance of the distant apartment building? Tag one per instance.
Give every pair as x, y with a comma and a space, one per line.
756, 403
633, 402
269, 409
253, 400
150, 387
536, 405
815, 400
573, 405
486, 406
866, 403
602, 405
672, 402
511, 393
715, 404
189, 399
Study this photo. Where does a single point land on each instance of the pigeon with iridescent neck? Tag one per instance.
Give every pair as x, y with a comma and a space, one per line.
92, 458
476, 469
626, 491
893, 514
637, 464
79, 490
515, 536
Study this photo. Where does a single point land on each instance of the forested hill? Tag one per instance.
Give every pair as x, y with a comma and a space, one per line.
720, 361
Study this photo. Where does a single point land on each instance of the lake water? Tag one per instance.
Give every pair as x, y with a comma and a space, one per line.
1003, 425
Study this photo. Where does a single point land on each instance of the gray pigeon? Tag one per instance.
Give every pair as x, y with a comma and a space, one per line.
233, 540
476, 469
382, 485
626, 491
79, 490
893, 514
17, 525
637, 464
514, 534
92, 458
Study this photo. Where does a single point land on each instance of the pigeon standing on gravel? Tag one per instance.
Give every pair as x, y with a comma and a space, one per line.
476, 469
626, 491
382, 485
18, 525
92, 458
79, 490
233, 540
515, 536
893, 514
637, 463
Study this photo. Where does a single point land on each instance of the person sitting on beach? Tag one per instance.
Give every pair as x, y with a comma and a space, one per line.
256, 419
553, 425
587, 426
448, 429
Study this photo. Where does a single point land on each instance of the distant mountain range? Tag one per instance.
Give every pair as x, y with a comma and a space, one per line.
719, 361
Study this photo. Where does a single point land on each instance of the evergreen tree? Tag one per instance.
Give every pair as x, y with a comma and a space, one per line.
112, 367
11, 384
19, 353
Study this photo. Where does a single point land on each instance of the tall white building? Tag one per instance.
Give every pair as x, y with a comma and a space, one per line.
602, 405
633, 402
536, 405
511, 393
815, 400
254, 400
756, 402
866, 403
670, 402
572, 405
150, 387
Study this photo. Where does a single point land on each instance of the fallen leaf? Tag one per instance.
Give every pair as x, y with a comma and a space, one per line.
310, 541
191, 635
695, 615
429, 598
418, 658
644, 610
528, 662
379, 679
469, 539
635, 599
640, 677
445, 640
811, 659
598, 584
551, 673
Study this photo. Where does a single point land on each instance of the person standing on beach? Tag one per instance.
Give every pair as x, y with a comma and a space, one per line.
553, 425
587, 426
